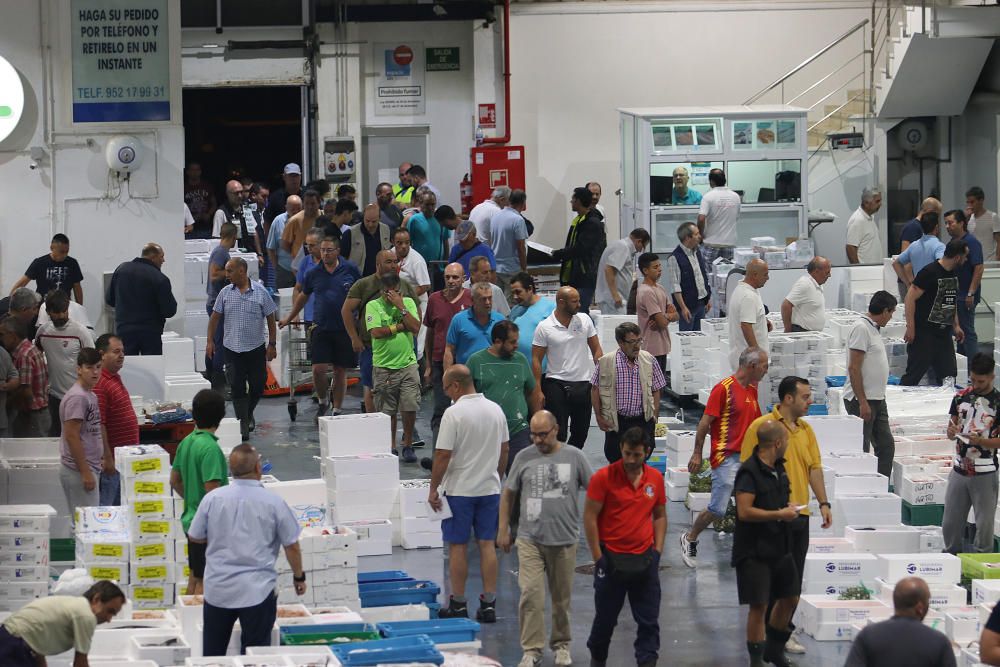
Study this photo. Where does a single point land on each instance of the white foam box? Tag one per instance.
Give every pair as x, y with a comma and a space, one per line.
23, 519
160, 596
678, 476
313, 650
925, 445
985, 590
152, 509
962, 624
350, 506
150, 461
923, 489
840, 568
15, 573
698, 502
113, 571
839, 433
152, 574
932, 568
830, 545
860, 483
262, 661
290, 596
281, 562
384, 478
217, 661
25, 558
931, 539
874, 509
851, 463
942, 595
151, 648
884, 539
826, 618
903, 466
330, 594
181, 550
327, 538
22, 590
413, 498
178, 354
111, 519
102, 547
24, 542
300, 491
154, 529
676, 493
374, 538
354, 435
155, 485
985, 609
422, 540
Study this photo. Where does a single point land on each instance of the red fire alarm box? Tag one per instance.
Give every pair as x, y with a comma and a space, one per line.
496, 165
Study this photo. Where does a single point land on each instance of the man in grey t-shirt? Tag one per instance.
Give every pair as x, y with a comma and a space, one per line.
9, 381
545, 482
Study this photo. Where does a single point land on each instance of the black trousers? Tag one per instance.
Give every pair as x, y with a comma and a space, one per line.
256, 623
643, 592
247, 373
141, 340
570, 403
929, 350
799, 535
612, 452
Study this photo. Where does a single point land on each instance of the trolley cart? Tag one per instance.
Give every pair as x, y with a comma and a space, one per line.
298, 369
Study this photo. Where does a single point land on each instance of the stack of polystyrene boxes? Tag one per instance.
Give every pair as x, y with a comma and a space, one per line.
680, 447
24, 554
228, 434
688, 351
102, 543
417, 529
153, 524
716, 359
677, 480
606, 329
330, 561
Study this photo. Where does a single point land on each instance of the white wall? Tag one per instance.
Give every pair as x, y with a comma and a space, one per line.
68, 192
571, 70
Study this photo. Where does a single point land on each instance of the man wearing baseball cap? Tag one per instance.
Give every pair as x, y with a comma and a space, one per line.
467, 245
292, 176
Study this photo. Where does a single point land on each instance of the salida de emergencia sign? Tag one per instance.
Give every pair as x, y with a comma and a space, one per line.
121, 64
399, 86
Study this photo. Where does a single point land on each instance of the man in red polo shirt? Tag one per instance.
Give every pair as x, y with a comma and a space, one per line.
118, 420
625, 519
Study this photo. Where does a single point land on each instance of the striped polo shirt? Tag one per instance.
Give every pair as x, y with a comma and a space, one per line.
117, 415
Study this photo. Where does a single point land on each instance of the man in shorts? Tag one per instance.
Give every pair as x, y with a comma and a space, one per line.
393, 320
762, 556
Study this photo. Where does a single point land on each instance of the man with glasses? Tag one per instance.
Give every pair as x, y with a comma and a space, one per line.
402, 191
544, 481
236, 209
625, 391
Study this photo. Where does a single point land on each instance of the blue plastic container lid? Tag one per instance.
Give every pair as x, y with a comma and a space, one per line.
383, 576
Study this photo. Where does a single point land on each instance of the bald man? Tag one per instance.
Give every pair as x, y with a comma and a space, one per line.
363, 241
903, 640
244, 592
912, 230
280, 257
748, 325
804, 307
236, 209
469, 460
143, 300
546, 549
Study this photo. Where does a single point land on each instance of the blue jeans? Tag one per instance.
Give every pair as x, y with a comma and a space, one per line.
723, 478
643, 591
697, 315
967, 320
111, 489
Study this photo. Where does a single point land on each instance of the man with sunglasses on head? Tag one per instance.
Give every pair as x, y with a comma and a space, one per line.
544, 481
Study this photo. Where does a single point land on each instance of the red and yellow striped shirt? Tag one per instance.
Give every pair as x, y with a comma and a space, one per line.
734, 408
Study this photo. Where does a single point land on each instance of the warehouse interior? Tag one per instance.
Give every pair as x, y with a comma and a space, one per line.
899, 96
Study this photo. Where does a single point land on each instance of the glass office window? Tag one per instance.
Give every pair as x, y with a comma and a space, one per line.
667, 181
765, 181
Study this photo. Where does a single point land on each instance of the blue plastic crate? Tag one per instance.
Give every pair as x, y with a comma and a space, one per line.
383, 576
815, 410
389, 593
417, 648
440, 630
433, 608
836, 380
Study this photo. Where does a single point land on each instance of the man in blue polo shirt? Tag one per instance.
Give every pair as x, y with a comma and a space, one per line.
328, 283
471, 329
920, 253
970, 277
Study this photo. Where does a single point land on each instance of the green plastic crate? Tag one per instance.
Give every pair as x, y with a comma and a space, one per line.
326, 635
975, 566
62, 550
996, 544
922, 515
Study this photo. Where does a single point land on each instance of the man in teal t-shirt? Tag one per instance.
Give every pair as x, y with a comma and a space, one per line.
393, 320
503, 375
199, 467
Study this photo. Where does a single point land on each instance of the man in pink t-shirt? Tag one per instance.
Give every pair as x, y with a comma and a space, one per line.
654, 309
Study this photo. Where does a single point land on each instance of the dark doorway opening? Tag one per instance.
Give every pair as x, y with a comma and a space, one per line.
245, 131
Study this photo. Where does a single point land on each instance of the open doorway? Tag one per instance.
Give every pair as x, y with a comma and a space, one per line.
244, 131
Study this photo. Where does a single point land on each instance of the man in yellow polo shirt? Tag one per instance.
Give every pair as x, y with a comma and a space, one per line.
802, 465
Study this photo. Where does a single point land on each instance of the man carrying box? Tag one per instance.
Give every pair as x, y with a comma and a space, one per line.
199, 467
731, 407
973, 479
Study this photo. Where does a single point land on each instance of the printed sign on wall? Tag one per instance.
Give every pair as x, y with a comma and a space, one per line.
399, 86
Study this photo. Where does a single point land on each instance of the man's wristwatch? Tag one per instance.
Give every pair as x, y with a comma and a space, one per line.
299, 580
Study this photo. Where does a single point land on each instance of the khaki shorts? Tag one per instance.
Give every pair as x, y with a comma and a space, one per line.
396, 389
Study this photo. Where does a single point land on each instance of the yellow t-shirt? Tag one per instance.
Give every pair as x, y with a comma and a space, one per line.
55, 624
801, 457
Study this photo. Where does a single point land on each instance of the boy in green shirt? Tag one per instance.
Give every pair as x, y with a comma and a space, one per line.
393, 320
199, 467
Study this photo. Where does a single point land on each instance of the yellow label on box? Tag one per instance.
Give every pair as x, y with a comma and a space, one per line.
154, 527
152, 572
150, 550
146, 465
106, 573
109, 550
148, 507
150, 488
187, 570
147, 592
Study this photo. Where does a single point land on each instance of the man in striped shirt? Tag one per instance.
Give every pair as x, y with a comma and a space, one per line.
732, 406
119, 424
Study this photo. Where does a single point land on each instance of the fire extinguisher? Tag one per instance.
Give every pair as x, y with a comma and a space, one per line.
466, 188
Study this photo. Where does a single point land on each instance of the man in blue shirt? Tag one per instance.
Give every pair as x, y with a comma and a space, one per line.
920, 253
312, 258
508, 239
471, 330
682, 195
529, 309
468, 246
912, 231
281, 259
244, 525
970, 277
328, 283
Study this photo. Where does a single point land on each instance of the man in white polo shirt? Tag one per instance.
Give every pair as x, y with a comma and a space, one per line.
803, 308
863, 243
748, 325
717, 218
568, 339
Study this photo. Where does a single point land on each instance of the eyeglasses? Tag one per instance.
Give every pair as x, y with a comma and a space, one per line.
634, 341
328, 251
541, 434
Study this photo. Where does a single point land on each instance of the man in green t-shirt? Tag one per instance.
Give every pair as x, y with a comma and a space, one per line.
393, 320
503, 375
199, 467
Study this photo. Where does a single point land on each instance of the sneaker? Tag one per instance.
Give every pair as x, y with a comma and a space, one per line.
408, 455
487, 612
454, 610
427, 463
563, 657
689, 551
793, 646
531, 659
417, 444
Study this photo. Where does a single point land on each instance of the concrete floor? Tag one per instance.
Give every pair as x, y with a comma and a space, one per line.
701, 623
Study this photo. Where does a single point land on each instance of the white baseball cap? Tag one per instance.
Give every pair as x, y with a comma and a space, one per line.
292, 168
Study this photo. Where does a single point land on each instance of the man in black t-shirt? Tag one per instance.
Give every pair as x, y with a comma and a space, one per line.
932, 317
56, 270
